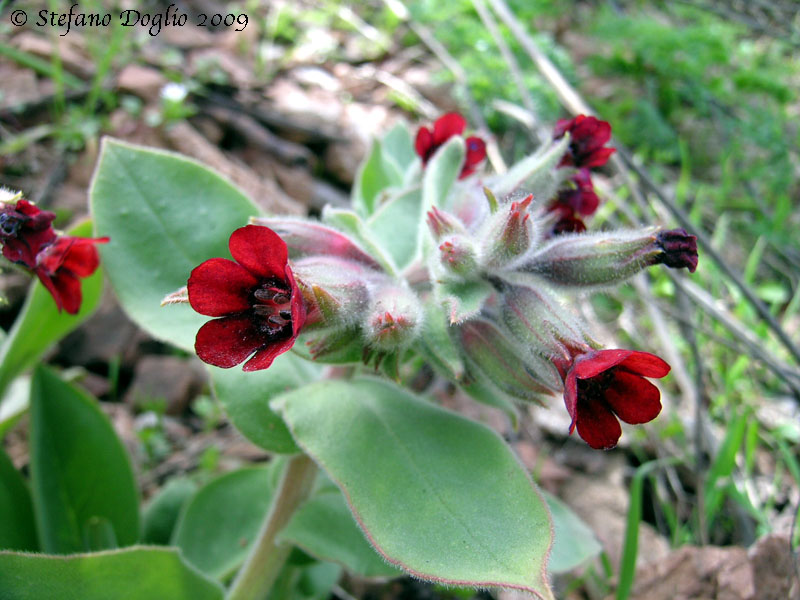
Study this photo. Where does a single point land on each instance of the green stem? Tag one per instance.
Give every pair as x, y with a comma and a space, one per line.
267, 557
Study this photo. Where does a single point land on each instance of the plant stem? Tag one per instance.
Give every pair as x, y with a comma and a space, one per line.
266, 557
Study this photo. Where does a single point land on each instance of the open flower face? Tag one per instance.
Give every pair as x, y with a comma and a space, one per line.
588, 135
61, 265
429, 141
259, 303
603, 385
24, 231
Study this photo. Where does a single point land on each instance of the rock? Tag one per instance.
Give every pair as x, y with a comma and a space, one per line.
774, 574
166, 378
186, 139
141, 81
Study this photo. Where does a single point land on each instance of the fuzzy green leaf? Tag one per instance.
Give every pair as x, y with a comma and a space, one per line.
17, 527
438, 495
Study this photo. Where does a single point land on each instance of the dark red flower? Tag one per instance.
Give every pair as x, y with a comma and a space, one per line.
24, 231
579, 196
568, 224
260, 304
680, 249
603, 385
588, 135
429, 141
61, 265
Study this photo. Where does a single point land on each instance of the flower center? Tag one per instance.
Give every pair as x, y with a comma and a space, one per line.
9, 224
595, 387
273, 305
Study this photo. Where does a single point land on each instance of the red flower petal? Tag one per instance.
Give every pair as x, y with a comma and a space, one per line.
447, 126
220, 287
68, 287
598, 157
264, 357
645, 364
633, 398
597, 425
47, 282
423, 144
593, 363
228, 341
259, 250
81, 257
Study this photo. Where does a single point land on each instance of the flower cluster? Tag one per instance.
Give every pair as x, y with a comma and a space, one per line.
577, 199
59, 261
482, 302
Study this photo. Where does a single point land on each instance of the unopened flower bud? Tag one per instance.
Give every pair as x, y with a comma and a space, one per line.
515, 371
306, 238
335, 291
680, 249
394, 318
510, 234
442, 224
458, 256
608, 257
538, 320
337, 346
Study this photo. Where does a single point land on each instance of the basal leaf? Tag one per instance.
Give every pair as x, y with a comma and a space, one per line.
80, 474
324, 527
17, 527
219, 524
165, 214
131, 574
574, 542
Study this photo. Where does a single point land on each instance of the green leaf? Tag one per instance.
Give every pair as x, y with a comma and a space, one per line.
537, 173
375, 176
324, 528
17, 527
221, 521
309, 582
441, 173
246, 397
40, 325
462, 299
437, 344
438, 495
398, 147
349, 222
165, 215
395, 226
80, 473
486, 393
161, 513
131, 574
574, 542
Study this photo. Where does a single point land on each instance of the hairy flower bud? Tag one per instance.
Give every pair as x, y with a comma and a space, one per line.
514, 371
306, 238
442, 224
335, 291
394, 318
608, 257
538, 320
458, 256
510, 234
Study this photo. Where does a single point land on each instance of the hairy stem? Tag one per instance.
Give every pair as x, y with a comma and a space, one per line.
267, 557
